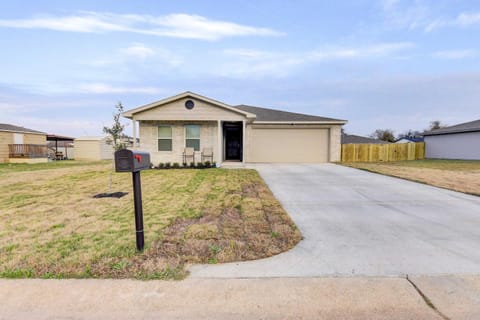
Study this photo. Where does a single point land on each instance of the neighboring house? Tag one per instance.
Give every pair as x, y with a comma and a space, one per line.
461, 141
235, 133
93, 148
353, 139
22, 145
412, 139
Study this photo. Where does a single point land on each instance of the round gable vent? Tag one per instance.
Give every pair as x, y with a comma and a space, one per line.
189, 104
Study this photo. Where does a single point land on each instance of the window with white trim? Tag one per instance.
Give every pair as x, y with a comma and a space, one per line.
192, 136
164, 138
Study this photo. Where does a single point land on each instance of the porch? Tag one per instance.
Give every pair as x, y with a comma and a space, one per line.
27, 153
166, 140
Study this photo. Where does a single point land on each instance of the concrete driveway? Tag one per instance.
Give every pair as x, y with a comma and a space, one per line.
360, 223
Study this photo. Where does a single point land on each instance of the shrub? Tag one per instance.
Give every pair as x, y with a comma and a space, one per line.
184, 164
214, 164
208, 164
176, 165
168, 165
192, 164
161, 165
200, 165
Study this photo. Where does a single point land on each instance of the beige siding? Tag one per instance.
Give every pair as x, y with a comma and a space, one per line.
273, 144
149, 140
93, 149
6, 138
87, 149
202, 111
29, 138
106, 150
335, 143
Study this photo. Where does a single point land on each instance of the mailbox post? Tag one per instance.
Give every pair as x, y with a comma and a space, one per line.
134, 162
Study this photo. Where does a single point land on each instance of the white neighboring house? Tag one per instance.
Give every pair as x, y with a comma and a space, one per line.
93, 148
461, 141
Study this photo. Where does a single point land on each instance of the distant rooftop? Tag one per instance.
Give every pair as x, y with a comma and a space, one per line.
353, 139
13, 128
471, 126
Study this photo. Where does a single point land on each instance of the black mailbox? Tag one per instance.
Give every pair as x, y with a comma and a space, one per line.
131, 161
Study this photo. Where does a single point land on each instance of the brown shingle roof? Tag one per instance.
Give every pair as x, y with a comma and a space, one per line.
264, 114
13, 128
471, 126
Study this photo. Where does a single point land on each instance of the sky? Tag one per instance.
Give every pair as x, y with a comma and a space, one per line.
385, 64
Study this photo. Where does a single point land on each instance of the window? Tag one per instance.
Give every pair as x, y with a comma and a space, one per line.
164, 138
192, 136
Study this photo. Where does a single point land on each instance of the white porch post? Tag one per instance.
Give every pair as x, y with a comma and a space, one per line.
134, 127
243, 140
219, 142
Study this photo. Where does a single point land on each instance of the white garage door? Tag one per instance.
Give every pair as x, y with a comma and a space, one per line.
289, 145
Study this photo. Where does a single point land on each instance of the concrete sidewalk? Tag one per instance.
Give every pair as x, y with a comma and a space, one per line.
300, 298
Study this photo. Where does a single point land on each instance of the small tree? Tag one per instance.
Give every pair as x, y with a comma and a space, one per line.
116, 130
384, 135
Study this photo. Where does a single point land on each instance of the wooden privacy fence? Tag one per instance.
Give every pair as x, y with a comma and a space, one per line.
383, 152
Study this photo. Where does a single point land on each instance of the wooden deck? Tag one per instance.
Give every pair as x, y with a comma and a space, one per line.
27, 151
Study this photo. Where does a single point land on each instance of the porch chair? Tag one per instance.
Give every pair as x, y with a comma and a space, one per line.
188, 153
207, 153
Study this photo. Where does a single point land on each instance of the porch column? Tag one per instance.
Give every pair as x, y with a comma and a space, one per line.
219, 156
134, 127
243, 140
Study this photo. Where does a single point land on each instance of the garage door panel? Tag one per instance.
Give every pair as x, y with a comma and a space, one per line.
289, 145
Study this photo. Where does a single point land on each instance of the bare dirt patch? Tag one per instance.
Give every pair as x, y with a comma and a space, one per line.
463, 176
51, 226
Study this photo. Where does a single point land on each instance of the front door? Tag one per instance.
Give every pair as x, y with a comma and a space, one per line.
233, 140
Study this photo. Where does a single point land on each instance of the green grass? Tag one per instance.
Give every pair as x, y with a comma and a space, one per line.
22, 167
52, 227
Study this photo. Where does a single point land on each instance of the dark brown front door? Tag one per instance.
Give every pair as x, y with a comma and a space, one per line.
233, 141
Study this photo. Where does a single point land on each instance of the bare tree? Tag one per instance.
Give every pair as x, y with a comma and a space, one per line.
436, 124
384, 135
116, 130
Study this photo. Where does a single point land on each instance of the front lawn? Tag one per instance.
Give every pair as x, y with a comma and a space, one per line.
51, 226
458, 175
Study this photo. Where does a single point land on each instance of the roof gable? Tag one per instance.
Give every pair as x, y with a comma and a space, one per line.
471, 126
130, 113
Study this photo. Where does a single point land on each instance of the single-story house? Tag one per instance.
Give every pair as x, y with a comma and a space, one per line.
235, 133
410, 139
93, 148
461, 141
354, 139
22, 145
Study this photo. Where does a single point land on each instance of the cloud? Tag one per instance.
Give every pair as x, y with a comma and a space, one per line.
374, 50
138, 50
455, 54
256, 63
102, 88
174, 25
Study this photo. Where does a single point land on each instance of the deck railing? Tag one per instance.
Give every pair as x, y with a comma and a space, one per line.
27, 151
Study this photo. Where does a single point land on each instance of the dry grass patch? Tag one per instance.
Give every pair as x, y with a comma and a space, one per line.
458, 175
50, 226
